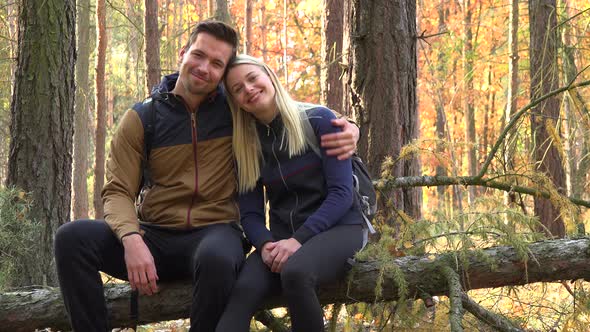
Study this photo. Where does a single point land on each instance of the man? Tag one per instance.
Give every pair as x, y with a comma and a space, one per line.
189, 216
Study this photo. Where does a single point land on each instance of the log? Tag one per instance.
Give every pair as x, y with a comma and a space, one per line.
551, 260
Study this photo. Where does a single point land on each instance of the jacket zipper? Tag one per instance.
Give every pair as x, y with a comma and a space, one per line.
194, 139
283, 178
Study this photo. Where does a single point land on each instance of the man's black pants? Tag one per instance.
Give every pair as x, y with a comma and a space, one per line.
211, 256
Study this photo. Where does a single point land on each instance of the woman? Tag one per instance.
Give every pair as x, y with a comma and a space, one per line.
314, 225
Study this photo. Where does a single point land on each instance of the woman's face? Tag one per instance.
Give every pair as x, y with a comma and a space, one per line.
252, 89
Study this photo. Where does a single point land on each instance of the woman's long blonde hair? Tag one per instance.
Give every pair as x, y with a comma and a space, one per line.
245, 137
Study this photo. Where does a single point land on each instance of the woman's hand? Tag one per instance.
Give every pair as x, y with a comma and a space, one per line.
277, 253
265, 253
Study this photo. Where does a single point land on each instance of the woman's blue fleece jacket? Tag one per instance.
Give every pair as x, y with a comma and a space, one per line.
307, 194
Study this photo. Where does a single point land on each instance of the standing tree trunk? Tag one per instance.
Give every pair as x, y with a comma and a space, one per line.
81, 142
285, 45
210, 8
331, 87
248, 27
222, 11
152, 44
512, 93
544, 78
263, 32
41, 129
441, 120
578, 136
468, 96
381, 88
100, 107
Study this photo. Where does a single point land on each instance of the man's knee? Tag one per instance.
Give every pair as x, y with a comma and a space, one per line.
220, 250
217, 259
75, 237
67, 236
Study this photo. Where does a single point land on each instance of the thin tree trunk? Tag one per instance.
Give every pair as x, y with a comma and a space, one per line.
285, 45
152, 44
222, 11
331, 86
544, 78
248, 27
440, 103
512, 94
81, 142
578, 136
41, 129
211, 8
263, 32
100, 107
468, 107
382, 89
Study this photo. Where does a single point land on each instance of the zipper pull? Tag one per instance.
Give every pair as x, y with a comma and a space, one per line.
267, 130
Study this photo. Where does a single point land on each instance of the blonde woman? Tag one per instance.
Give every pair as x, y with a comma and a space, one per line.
314, 224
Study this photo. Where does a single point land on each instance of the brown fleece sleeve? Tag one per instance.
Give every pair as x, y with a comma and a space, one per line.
123, 173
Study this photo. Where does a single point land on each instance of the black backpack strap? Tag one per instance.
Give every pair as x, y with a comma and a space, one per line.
134, 309
148, 135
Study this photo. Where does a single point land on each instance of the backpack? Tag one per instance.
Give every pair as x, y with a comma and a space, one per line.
364, 192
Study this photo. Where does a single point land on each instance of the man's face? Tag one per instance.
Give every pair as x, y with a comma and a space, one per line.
202, 66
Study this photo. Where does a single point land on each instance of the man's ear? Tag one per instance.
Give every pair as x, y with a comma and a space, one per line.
181, 54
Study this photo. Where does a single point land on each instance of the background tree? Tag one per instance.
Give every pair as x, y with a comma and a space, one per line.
468, 107
331, 86
222, 11
381, 88
42, 123
248, 27
100, 100
545, 118
152, 44
81, 139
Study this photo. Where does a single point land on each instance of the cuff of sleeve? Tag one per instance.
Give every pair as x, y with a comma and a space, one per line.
127, 234
303, 234
125, 230
262, 240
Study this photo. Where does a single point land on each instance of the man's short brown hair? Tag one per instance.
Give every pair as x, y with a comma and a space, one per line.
217, 29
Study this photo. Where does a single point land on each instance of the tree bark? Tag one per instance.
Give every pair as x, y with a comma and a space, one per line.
222, 11
152, 44
512, 93
441, 119
577, 143
468, 107
544, 78
263, 32
248, 27
552, 260
381, 88
331, 86
81, 140
41, 129
100, 103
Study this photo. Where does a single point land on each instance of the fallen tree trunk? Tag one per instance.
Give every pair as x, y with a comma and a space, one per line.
552, 260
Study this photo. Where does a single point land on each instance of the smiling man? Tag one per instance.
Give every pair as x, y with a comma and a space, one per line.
186, 226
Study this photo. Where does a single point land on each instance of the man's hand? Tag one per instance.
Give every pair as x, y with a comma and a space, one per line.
342, 144
141, 269
281, 252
